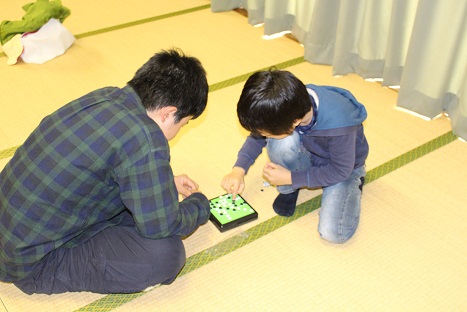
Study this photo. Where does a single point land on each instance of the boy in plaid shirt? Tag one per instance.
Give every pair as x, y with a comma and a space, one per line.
89, 202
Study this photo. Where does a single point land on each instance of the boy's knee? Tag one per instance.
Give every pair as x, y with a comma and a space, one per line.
179, 258
172, 253
334, 236
334, 239
285, 151
167, 260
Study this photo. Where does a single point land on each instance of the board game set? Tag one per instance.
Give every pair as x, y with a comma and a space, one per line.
227, 213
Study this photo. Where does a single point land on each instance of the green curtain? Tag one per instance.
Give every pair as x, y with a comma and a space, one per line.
418, 45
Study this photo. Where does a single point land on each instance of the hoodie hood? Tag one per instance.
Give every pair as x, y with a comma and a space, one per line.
337, 108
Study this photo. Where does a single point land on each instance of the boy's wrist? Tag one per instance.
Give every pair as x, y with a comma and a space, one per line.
238, 170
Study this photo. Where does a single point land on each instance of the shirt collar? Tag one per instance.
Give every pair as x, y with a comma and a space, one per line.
314, 105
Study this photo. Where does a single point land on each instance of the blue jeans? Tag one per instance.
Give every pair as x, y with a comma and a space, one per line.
340, 204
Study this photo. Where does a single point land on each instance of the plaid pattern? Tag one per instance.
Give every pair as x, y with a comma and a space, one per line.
80, 168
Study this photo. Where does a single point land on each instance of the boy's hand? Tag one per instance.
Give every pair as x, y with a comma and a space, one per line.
276, 174
234, 182
185, 186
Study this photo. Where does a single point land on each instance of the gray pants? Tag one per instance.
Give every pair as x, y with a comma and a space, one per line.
116, 260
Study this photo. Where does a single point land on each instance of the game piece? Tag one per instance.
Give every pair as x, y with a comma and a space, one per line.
227, 213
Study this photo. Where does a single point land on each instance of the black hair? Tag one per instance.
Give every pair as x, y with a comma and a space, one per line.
170, 78
271, 101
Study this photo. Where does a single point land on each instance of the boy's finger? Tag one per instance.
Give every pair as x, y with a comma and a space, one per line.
185, 192
272, 165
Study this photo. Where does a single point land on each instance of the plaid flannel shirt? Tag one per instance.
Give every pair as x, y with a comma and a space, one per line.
82, 167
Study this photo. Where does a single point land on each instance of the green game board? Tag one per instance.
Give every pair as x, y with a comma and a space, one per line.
227, 214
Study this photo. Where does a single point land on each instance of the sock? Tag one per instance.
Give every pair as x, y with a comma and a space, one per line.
284, 204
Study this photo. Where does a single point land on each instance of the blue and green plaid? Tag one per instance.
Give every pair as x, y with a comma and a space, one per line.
80, 168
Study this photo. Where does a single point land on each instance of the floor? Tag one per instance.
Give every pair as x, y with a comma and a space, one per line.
410, 251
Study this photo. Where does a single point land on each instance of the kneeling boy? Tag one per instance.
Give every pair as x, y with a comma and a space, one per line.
314, 138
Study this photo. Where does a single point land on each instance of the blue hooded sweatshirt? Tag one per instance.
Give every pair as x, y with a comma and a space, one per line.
335, 139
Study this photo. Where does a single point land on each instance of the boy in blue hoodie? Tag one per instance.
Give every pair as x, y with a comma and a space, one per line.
314, 138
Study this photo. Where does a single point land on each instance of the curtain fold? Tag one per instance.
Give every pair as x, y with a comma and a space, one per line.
418, 45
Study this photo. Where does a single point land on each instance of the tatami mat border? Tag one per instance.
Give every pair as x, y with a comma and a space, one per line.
142, 21
233, 243
241, 78
8, 152
134, 23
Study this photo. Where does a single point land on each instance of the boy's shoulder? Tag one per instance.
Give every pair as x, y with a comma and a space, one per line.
337, 108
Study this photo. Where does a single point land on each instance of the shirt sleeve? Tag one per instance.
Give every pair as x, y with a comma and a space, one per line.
148, 190
250, 150
337, 168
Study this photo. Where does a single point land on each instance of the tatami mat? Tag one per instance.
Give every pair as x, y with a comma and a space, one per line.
410, 251
113, 57
396, 262
89, 16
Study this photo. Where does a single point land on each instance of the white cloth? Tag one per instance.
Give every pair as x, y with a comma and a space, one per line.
50, 41
13, 49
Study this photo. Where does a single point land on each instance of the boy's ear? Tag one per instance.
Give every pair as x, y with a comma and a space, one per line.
166, 112
296, 122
